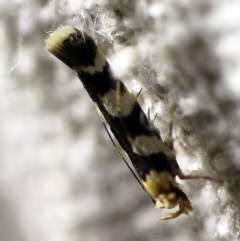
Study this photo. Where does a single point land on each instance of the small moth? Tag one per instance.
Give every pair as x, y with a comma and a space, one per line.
154, 161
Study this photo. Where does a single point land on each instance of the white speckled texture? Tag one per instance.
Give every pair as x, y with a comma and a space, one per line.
60, 177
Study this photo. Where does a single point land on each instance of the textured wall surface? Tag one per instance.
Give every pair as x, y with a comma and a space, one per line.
60, 177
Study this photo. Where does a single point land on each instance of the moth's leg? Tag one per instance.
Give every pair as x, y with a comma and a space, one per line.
139, 92
183, 176
178, 172
170, 151
118, 97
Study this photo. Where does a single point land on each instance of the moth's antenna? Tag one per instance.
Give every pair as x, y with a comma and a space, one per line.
129, 167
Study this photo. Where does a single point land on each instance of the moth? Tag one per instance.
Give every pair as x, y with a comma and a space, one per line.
154, 161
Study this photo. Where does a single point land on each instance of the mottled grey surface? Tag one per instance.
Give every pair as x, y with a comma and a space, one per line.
60, 177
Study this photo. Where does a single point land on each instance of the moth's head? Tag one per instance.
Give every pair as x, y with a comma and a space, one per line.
167, 200
164, 189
